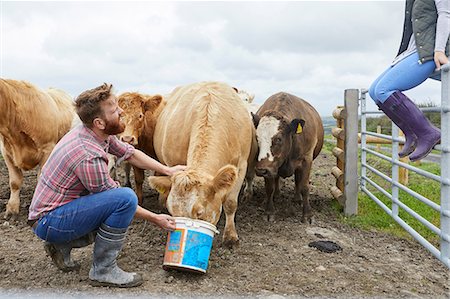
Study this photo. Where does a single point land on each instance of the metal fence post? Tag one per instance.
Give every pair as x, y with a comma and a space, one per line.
363, 136
351, 98
395, 169
445, 162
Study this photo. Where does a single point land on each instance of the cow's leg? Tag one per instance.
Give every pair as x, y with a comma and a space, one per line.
248, 189
139, 179
302, 189
276, 193
230, 236
270, 192
15, 182
127, 167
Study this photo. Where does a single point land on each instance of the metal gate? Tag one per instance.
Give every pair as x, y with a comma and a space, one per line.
443, 232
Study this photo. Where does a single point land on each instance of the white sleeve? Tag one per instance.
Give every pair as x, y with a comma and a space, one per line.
443, 24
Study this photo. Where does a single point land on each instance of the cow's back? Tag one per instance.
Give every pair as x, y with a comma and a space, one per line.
203, 120
292, 107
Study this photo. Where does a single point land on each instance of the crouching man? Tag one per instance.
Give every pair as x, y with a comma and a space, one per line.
77, 202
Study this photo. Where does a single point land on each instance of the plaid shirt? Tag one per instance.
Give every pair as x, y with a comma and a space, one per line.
77, 166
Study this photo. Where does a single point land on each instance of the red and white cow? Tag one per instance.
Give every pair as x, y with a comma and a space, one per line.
205, 126
290, 136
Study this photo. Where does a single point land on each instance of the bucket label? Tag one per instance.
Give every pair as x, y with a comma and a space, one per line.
174, 246
197, 249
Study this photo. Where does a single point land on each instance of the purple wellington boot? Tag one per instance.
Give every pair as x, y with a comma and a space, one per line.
389, 107
412, 118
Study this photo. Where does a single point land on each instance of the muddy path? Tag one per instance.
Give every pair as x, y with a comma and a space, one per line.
273, 258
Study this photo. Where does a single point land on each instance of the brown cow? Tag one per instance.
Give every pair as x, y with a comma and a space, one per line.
140, 112
205, 126
31, 123
290, 136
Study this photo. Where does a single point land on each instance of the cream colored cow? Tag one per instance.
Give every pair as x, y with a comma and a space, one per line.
31, 122
205, 126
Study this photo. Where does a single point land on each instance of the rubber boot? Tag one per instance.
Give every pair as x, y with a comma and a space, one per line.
60, 252
390, 108
104, 270
427, 134
410, 118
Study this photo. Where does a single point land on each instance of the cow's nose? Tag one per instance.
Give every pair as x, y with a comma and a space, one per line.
127, 139
261, 171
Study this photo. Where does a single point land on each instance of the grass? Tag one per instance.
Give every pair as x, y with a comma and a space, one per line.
372, 217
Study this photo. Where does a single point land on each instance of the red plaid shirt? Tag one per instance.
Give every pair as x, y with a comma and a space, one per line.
77, 166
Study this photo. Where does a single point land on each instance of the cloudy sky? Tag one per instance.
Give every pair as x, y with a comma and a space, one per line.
313, 49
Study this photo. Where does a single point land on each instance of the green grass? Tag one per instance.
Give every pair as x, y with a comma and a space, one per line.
372, 217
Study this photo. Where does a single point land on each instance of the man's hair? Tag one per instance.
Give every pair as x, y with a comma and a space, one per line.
88, 103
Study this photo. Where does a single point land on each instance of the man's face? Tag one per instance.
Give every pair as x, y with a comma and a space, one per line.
113, 124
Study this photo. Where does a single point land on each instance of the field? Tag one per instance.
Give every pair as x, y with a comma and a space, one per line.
273, 258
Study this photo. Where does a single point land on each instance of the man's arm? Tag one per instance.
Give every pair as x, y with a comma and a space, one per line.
162, 220
142, 161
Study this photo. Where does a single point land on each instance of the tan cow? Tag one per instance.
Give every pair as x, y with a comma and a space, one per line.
140, 112
206, 127
31, 123
290, 136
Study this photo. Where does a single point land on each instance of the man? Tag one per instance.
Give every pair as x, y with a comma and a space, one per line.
76, 200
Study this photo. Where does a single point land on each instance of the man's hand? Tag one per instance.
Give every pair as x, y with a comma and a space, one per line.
174, 169
164, 221
440, 59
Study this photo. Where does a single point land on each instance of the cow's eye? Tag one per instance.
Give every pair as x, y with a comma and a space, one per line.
277, 140
141, 116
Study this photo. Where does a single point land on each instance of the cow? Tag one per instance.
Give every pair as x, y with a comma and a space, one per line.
140, 112
290, 134
31, 122
248, 100
207, 127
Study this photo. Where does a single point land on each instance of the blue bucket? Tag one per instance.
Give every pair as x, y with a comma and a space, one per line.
188, 247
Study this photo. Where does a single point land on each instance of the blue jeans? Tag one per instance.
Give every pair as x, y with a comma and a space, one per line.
406, 74
115, 208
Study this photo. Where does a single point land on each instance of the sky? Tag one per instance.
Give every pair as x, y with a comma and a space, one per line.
312, 49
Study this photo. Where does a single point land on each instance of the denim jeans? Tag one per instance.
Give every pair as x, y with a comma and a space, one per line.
404, 75
115, 208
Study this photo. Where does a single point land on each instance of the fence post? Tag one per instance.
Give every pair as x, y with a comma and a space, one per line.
351, 98
338, 171
378, 132
445, 162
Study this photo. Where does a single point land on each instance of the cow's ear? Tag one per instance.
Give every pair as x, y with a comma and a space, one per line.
152, 102
225, 178
296, 126
256, 119
235, 89
162, 184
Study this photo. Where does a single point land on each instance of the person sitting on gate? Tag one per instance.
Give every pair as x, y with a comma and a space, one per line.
76, 201
424, 48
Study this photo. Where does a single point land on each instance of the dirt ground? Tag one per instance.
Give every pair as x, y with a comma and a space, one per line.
272, 260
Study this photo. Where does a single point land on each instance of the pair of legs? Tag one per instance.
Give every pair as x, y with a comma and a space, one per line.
386, 91
103, 216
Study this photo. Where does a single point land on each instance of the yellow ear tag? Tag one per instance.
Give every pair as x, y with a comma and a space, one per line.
161, 190
299, 129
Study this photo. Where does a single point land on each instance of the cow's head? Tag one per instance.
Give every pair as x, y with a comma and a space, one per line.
244, 95
197, 196
136, 107
275, 135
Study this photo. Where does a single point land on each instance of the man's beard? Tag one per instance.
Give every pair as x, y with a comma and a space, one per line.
114, 127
